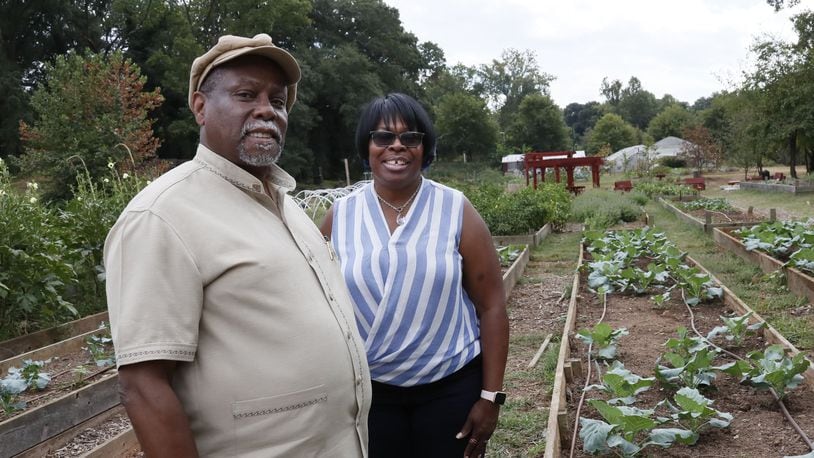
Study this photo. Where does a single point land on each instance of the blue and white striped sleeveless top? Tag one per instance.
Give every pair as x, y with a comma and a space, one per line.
418, 323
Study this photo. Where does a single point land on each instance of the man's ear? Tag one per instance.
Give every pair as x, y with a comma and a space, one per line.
199, 107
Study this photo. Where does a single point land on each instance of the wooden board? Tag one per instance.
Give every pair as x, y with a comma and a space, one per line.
41, 423
515, 271
29, 342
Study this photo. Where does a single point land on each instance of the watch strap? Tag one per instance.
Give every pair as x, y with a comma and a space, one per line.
498, 397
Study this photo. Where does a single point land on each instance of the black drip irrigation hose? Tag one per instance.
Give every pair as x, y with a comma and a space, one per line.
587, 380
780, 403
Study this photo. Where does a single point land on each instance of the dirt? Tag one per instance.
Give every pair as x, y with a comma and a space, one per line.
91, 438
64, 379
729, 216
758, 429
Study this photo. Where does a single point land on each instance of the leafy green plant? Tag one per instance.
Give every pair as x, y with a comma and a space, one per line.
623, 384
718, 204
736, 328
691, 360
693, 411
100, 346
770, 369
508, 254
698, 285
604, 339
626, 431
789, 241
18, 380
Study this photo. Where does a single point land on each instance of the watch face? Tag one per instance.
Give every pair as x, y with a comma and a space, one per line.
500, 398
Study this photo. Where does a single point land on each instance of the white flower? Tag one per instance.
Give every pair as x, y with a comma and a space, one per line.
79, 198
125, 176
2, 192
32, 185
33, 200
106, 180
110, 165
149, 181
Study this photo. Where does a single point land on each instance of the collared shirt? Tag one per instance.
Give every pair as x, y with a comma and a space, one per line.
205, 268
417, 320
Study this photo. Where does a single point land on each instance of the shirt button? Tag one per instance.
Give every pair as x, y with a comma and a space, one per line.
350, 335
256, 187
358, 379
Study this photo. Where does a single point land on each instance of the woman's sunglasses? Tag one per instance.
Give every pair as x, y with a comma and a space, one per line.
385, 138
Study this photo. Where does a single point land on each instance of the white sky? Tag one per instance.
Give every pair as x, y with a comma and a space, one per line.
686, 48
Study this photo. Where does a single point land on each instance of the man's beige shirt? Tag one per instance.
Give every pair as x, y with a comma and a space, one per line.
205, 268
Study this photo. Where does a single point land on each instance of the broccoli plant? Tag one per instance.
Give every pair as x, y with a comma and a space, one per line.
604, 338
699, 286
693, 411
626, 431
100, 347
770, 369
623, 384
736, 328
691, 360
18, 380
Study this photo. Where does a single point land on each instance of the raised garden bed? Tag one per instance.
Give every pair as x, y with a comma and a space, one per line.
78, 389
757, 428
798, 282
777, 187
515, 271
706, 220
530, 239
34, 340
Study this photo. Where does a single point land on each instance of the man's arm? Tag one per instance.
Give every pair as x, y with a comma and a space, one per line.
159, 420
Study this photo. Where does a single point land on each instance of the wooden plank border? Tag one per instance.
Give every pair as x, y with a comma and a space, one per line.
119, 445
60, 348
698, 223
530, 239
29, 342
41, 423
515, 271
557, 417
60, 440
797, 281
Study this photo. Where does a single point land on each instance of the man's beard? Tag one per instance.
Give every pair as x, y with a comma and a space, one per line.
266, 153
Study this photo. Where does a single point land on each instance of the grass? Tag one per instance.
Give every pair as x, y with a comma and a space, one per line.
522, 425
761, 292
800, 205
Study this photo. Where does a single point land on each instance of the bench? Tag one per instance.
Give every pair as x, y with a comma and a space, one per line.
779, 176
696, 183
576, 189
623, 186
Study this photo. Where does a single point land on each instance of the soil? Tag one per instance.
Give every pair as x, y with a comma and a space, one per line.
91, 438
730, 216
63, 380
758, 429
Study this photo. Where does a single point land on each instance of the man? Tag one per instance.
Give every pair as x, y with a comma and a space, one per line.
234, 332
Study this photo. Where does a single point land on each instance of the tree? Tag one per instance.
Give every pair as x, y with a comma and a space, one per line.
506, 82
88, 108
612, 91
465, 126
538, 125
784, 72
670, 123
701, 148
636, 105
581, 117
613, 131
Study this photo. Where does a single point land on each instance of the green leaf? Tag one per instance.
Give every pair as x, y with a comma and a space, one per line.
594, 435
664, 437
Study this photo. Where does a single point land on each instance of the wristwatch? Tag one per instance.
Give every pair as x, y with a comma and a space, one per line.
498, 397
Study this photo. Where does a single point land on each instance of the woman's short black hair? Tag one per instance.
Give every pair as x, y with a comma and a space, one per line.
392, 108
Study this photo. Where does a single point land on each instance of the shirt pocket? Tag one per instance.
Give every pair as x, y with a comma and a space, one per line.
280, 425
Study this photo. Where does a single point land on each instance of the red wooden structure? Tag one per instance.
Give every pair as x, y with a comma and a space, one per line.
537, 160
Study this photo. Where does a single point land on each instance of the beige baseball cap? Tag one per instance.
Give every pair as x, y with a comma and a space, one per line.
230, 47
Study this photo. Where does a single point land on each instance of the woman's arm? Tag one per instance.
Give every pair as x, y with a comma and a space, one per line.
327, 222
483, 282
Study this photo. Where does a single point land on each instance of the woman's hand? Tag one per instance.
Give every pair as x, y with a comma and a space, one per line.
479, 426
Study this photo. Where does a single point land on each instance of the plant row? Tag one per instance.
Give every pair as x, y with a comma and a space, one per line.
51, 253
789, 241
520, 212
687, 366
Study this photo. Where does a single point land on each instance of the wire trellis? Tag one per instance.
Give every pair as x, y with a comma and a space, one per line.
315, 202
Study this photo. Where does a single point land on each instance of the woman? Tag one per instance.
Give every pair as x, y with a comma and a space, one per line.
428, 294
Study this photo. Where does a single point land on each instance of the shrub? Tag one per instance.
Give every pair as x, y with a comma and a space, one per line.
520, 212
602, 209
660, 188
51, 257
673, 162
